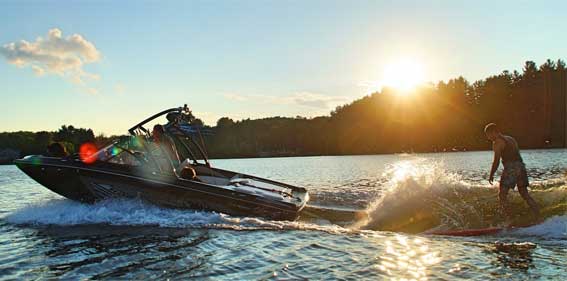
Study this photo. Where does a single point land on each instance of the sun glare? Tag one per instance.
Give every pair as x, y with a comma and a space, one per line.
403, 75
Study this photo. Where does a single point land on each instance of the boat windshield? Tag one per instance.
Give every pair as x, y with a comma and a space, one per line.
140, 149
126, 151
187, 138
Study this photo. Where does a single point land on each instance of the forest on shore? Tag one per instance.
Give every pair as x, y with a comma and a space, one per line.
529, 104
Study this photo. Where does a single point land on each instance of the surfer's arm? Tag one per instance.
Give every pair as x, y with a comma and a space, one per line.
497, 147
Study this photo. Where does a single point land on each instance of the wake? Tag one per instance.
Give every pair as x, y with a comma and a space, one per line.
422, 196
129, 212
554, 227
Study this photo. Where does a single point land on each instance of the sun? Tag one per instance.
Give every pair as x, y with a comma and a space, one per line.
403, 75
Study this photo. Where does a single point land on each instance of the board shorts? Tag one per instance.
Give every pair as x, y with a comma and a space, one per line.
514, 174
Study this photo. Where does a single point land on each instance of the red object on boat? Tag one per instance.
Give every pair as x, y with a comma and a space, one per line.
86, 151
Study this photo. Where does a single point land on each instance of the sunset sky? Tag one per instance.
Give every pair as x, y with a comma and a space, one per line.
105, 65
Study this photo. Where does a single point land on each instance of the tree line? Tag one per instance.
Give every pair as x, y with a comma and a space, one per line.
447, 116
17, 144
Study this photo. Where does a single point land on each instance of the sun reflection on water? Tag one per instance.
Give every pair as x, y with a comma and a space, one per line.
407, 259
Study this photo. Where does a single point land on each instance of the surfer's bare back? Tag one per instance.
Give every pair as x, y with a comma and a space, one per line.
514, 174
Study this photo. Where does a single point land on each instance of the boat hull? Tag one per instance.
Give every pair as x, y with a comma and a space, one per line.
89, 184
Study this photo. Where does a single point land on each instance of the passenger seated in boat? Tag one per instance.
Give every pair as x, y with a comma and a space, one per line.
165, 151
56, 149
187, 172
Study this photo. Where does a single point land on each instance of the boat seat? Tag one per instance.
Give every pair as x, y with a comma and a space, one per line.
206, 171
221, 181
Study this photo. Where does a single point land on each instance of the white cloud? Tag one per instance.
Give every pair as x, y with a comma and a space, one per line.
306, 99
54, 54
317, 100
236, 97
38, 70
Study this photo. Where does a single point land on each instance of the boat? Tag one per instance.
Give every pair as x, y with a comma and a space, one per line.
129, 168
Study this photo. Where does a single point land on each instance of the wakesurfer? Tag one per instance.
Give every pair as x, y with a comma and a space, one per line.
514, 174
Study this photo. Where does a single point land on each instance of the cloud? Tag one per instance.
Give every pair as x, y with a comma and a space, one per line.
38, 70
54, 54
317, 100
236, 97
306, 99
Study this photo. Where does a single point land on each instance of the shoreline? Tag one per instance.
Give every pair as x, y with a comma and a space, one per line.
334, 155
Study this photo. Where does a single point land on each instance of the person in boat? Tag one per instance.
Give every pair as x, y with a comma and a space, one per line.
167, 145
56, 149
165, 150
514, 174
188, 172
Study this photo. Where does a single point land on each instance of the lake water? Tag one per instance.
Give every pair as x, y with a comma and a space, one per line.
44, 236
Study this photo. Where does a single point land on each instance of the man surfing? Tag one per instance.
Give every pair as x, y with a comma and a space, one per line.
514, 174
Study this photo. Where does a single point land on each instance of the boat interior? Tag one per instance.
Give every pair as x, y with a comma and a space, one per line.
121, 153
140, 150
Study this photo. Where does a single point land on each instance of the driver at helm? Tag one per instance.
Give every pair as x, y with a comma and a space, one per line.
166, 148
